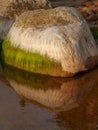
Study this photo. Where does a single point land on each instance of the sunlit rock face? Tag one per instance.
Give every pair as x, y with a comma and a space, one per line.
54, 93
10, 9
55, 42
13, 8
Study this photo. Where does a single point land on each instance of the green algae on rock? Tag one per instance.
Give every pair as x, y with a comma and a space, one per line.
29, 61
58, 43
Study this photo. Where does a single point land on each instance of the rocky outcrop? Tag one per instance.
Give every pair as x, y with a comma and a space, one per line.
56, 42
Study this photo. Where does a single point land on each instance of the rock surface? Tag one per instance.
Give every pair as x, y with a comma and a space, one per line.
88, 8
13, 8
55, 42
10, 9
5, 25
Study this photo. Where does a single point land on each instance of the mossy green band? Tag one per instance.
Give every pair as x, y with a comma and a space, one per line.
28, 61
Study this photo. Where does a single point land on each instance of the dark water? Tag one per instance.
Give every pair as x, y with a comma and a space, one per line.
35, 102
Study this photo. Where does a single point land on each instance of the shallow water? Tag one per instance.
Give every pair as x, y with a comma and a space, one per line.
33, 102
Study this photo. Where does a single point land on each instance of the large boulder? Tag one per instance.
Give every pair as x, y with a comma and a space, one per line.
56, 42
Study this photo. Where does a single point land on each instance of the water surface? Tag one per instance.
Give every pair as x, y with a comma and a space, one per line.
33, 102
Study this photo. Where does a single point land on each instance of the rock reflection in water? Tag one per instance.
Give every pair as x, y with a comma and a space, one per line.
60, 95
54, 93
